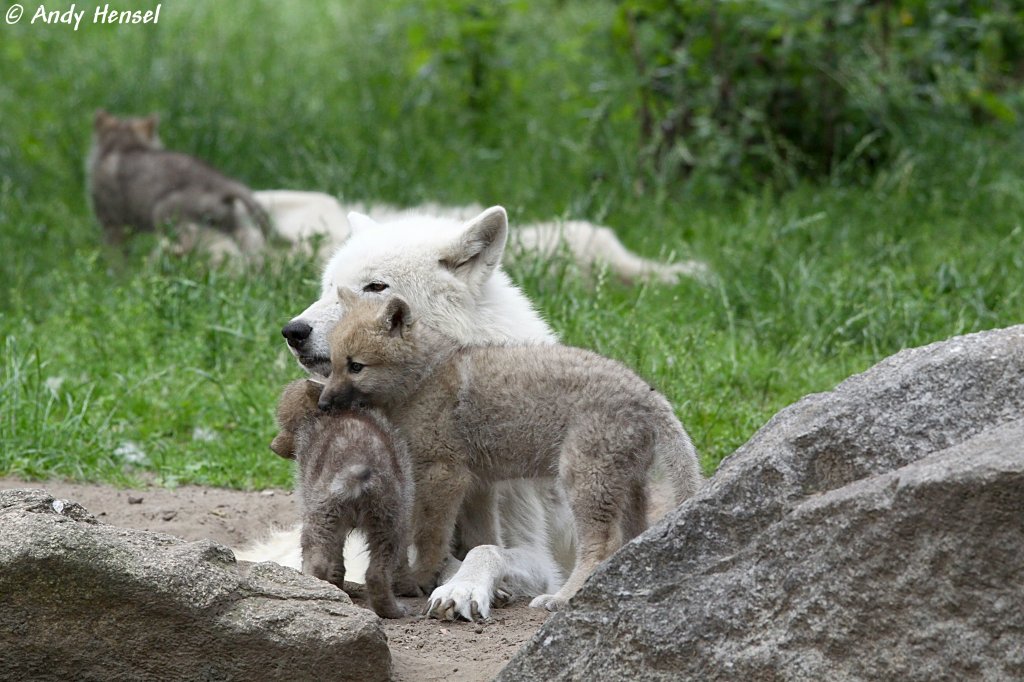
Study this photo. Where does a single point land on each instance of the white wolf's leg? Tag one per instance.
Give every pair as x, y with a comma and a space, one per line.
478, 523
591, 245
523, 567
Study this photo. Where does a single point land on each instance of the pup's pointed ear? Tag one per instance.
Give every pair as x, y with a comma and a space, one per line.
477, 251
359, 222
395, 319
348, 297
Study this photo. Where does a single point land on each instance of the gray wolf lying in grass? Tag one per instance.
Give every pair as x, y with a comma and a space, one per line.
137, 185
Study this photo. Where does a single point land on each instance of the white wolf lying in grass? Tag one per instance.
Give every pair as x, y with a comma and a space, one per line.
450, 272
304, 218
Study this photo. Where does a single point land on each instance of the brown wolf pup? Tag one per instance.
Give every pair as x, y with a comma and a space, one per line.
137, 185
488, 413
353, 472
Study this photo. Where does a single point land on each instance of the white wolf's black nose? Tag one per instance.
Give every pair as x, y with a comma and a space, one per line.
296, 332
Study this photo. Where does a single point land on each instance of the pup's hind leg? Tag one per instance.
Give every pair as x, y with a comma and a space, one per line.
386, 549
595, 489
634, 515
323, 543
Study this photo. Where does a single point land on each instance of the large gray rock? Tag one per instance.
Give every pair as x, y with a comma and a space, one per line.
83, 600
873, 532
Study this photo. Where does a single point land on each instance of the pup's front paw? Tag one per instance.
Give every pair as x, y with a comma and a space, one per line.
425, 580
405, 586
549, 602
460, 598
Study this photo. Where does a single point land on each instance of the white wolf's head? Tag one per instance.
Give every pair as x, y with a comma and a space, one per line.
449, 272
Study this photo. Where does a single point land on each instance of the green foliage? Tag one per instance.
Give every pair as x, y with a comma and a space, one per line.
118, 366
754, 90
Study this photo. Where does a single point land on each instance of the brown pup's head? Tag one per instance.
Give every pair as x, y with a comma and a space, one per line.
372, 352
298, 403
123, 134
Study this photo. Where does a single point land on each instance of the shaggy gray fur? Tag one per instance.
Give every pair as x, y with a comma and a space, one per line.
135, 184
354, 472
488, 413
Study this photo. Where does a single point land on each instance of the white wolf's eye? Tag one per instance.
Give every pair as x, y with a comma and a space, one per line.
374, 287
355, 367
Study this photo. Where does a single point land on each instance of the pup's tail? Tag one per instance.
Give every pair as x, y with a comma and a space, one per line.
352, 482
674, 452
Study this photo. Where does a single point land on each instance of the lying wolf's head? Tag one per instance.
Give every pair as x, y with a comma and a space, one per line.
450, 273
111, 133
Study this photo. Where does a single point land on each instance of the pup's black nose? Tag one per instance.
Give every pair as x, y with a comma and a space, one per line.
296, 332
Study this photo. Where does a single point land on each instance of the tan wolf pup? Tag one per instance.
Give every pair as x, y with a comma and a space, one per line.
135, 184
353, 472
491, 412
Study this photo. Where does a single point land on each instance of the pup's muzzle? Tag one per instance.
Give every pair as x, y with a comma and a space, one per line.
338, 398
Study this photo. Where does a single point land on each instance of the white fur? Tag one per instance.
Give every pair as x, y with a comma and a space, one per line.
305, 218
408, 254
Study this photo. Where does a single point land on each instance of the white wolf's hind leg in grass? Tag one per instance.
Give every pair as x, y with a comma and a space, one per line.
592, 246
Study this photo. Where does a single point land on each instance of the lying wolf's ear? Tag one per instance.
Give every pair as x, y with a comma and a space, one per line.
477, 251
148, 126
348, 297
359, 222
395, 318
101, 119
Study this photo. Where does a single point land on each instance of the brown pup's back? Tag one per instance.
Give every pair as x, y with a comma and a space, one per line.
353, 472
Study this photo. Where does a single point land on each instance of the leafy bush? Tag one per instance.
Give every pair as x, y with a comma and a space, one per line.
753, 89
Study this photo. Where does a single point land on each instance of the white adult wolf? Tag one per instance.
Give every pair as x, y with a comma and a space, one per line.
518, 533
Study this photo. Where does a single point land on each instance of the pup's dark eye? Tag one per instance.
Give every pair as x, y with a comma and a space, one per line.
374, 287
355, 367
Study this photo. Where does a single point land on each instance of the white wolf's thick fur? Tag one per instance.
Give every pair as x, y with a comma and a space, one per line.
304, 218
512, 549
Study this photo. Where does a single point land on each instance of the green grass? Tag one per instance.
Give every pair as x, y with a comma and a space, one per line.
102, 350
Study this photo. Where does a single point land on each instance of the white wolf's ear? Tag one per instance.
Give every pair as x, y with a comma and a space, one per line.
359, 222
394, 319
348, 297
477, 251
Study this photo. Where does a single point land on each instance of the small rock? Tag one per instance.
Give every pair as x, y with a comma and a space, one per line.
168, 515
134, 500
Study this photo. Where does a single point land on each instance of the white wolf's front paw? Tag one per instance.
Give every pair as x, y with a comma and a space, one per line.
464, 598
549, 602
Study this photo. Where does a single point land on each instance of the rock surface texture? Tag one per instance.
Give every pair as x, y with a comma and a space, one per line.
86, 601
875, 532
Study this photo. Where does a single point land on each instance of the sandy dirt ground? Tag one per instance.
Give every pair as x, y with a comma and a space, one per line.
422, 649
